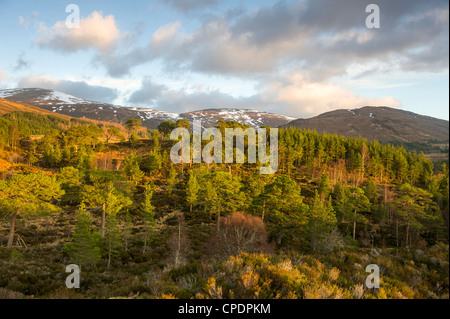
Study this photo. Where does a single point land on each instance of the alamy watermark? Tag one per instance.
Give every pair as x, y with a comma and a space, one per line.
73, 280
373, 280
73, 19
257, 147
373, 19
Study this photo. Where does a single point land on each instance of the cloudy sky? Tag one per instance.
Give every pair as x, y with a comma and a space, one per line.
298, 58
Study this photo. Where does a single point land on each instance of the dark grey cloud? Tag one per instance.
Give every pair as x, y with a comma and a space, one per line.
321, 38
148, 92
155, 95
79, 89
190, 5
118, 64
21, 62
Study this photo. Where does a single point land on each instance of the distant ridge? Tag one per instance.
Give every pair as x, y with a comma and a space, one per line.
381, 123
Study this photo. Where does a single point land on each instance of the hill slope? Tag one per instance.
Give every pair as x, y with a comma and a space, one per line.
7, 106
382, 123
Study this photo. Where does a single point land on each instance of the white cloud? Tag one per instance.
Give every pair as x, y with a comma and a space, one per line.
95, 31
292, 95
297, 96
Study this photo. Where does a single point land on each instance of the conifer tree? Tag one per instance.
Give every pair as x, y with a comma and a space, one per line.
148, 211
131, 168
28, 195
85, 247
113, 238
106, 197
352, 203
321, 219
324, 187
192, 190
171, 180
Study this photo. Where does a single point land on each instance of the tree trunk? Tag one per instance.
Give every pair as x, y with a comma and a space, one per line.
354, 225
109, 260
218, 219
396, 231
102, 226
407, 235
264, 211
12, 228
144, 249
190, 208
178, 251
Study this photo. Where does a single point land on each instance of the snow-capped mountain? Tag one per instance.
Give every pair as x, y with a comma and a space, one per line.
63, 103
250, 117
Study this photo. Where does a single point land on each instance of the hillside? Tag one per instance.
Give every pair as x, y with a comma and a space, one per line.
381, 123
307, 231
8, 106
388, 125
63, 103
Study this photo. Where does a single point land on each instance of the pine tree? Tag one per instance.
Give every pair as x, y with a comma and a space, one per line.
321, 219
28, 195
148, 211
113, 238
286, 213
171, 180
106, 197
222, 193
131, 168
413, 208
352, 203
324, 187
192, 190
85, 247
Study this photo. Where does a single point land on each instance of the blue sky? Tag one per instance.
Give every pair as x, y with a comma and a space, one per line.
298, 58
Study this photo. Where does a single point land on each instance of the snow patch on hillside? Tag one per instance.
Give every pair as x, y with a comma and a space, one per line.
64, 98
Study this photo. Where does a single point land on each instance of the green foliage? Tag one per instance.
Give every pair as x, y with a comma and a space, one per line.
221, 193
166, 127
131, 168
30, 194
171, 180
192, 190
414, 208
85, 247
148, 212
351, 203
71, 181
286, 214
113, 238
133, 124
321, 220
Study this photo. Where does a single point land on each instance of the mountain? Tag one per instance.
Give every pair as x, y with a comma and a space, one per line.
381, 123
63, 103
252, 118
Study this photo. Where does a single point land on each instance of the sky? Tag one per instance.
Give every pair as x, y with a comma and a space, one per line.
297, 58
